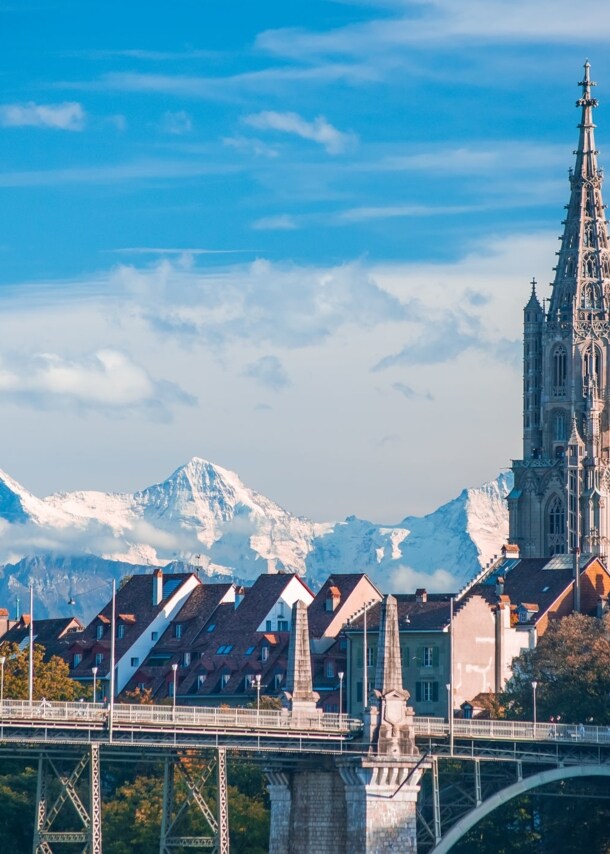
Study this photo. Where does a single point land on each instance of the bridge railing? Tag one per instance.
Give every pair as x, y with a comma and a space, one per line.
513, 730
182, 717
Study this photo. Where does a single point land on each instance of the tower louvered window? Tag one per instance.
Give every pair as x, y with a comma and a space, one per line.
560, 371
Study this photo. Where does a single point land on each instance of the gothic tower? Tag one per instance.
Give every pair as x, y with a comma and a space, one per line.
561, 499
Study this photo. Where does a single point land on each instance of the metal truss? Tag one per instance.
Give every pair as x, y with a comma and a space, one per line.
171, 838
90, 832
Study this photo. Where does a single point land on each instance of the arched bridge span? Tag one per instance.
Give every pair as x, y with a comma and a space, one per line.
461, 827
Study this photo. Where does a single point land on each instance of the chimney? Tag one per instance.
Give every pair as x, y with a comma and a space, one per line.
421, 595
157, 586
601, 603
500, 585
510, 551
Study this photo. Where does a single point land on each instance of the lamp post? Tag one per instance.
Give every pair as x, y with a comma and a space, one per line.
94, 671
534, 686
340, 675
31, 650
257, 680
365, 668
448, 686
175, 669
2, 662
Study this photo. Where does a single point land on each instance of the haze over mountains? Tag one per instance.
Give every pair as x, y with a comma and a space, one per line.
72, 544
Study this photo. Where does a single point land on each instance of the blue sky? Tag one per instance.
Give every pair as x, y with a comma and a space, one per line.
292, 238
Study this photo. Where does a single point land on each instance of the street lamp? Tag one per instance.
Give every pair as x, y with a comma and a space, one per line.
534, 686
340, 675
31, 649
448, 686
2, 662
175, 669
94, 671
257, 680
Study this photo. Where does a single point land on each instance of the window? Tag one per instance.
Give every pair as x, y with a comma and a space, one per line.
592, 367
560, 371
201, 680
186, 659
428, 656
426, 692
158, 660
99, 657
277, 681
135, 661
224, 679
264, 653
170, 688
142, 686
330, 669
154, 636
224, 649
99, 631
359, 691
249, 651
120, 631
556, 526
280, 609
370, 661
268, 626
282, 625
77, 659
178, 630
560, 426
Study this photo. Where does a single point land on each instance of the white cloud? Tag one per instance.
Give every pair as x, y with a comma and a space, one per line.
285, 305
67, 116
410, 393
404, 579
425, 22
176, 123
106, 380
269, 371
319, 130
251, 145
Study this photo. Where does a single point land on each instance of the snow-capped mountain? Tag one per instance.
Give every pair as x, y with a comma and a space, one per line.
204, 514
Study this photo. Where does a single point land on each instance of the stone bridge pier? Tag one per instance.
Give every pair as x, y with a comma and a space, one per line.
359, 804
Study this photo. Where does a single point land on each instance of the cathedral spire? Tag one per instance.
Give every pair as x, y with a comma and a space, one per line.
581, 290
561, 499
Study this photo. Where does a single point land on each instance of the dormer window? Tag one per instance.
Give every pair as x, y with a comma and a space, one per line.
224, 679
120, 631
77, 659
264, 653
99, 631
178, 631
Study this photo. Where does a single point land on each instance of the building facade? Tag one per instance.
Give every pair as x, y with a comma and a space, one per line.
560, 503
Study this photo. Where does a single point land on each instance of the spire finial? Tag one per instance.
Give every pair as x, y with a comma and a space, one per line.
587, 83
533, 284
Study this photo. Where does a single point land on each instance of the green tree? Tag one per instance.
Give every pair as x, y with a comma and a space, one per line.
51, 678
571, 665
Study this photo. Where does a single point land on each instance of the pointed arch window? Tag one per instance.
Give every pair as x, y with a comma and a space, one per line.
560, 425
592, 361
560, 371
591, 296
556, 527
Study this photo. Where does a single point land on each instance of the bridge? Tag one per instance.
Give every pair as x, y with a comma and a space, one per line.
68, 739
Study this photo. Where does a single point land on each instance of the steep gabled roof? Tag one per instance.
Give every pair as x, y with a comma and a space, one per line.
341, 586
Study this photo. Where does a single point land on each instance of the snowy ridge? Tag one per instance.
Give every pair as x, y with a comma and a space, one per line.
205, 514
